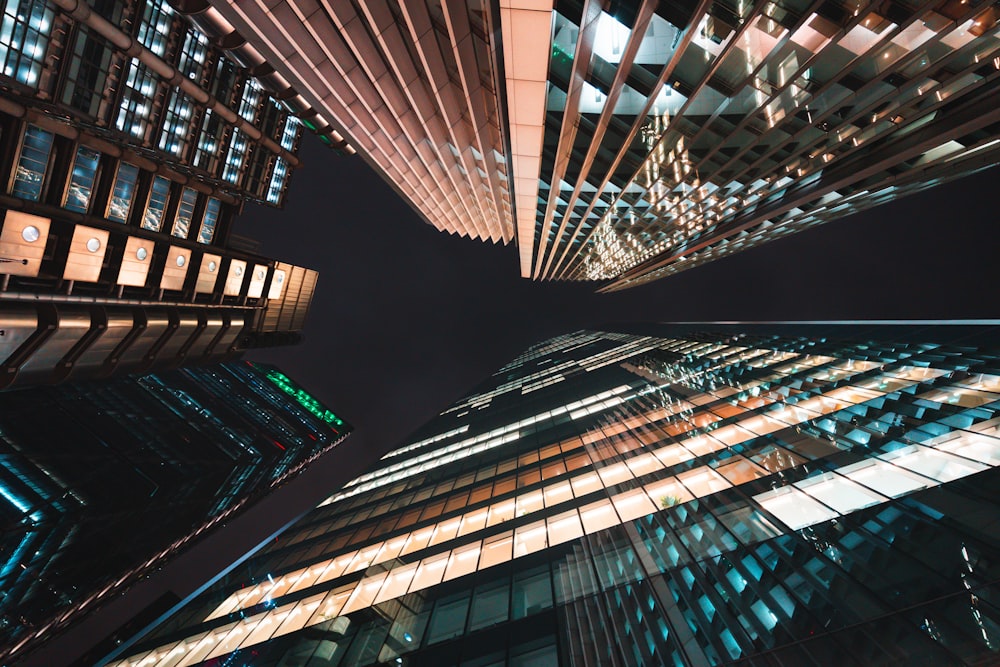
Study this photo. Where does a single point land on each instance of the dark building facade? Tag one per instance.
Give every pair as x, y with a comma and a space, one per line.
661, 495
131, 136
102, 483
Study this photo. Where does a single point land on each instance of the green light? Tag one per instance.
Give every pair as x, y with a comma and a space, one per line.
314, 407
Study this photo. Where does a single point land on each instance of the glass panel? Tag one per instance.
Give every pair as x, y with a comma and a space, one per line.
159, 191
185, 211
448, 619
123, 192
532, 592
81, 180
490, 605
211, 219
33, 163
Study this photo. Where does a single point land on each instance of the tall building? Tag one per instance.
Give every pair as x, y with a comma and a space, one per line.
102, 484
131, 137
661, 495
627, 141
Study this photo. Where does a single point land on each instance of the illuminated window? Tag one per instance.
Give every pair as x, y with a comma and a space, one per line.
278, 178
235, 156
135, 108
25, 26
250, 100
209, 140
123, 192
176, 124
81, 180
159, 192
193, 55
154, 29
32, 164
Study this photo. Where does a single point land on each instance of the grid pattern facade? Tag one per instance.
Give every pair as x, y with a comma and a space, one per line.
103, 483
413, 85
683, 496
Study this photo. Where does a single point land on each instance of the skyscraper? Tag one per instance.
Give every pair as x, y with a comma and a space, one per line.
104, 483
131, 138
627, 141
657, 495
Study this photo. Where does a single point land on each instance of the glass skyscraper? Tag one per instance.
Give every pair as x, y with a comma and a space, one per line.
103, 483
654, 495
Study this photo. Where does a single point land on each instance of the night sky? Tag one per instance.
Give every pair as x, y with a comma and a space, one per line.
407, 319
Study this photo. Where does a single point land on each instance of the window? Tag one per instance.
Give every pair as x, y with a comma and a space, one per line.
122, 192
291, 133
81, 180
235, 156
155, 26
135, 108
25, 26
206, 155
193, 55
250, 101
159, 191
278, 178
210, 220
176, 124
89, 61
33, 163
185, 211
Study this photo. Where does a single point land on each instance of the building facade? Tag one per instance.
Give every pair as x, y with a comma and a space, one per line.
626, 141
659, 495
103, 483
132, 135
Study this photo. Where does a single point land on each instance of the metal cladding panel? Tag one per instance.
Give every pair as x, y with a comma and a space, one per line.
304, 300
257, 278
86, 254
170, 354
176, 268
22, 239
235, 277
18, 324
208, 273
135, 262
157, 327
214, 325
229, 337
119, 325
43, 363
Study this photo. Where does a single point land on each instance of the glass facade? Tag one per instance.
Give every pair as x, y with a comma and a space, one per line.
100, 483
661, 495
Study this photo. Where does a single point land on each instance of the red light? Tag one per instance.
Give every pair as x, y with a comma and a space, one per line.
278, 444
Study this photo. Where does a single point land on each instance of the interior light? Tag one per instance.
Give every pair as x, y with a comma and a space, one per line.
30, 234
141, 254
94, 244
180, 260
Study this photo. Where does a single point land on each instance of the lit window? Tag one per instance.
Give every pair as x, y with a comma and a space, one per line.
122, 193
136, 107
250, 100
25, 26
193, 55
176, 124
185, 211
211, 219
154, 29
81, 180
235, 156
159, 191
278, 178
33, 163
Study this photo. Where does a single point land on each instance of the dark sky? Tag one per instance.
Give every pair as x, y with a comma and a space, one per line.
407, 319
